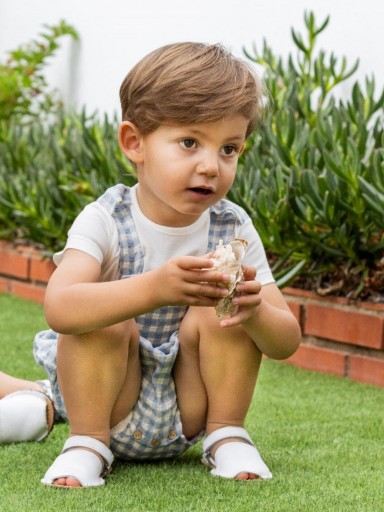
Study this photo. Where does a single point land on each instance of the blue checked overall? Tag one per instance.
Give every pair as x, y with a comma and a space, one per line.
153, 429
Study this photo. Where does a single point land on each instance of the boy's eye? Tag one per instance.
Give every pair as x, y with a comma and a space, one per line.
229, 149
188, 143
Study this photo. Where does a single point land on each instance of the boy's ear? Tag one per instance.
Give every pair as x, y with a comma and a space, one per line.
130, 141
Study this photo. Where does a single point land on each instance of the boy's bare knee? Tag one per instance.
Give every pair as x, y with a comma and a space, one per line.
122, 333
195, 321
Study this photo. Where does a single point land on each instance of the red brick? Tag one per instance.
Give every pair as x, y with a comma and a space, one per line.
331, 299
26, 249
4, 286
295, 307
319, 359
28, 291
356, 328
367, 369
41, 269
13, 264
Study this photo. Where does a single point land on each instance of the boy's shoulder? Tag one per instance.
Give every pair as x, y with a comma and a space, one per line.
225, 208
115, 195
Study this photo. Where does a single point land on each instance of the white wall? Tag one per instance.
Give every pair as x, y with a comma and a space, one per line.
116, 33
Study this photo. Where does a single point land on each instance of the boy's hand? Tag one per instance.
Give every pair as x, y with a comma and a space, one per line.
247, 299
189, 281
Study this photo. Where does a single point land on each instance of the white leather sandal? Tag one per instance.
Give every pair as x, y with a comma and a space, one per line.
235, 457
23, 417
81, 464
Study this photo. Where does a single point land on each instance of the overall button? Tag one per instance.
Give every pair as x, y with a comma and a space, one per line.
138, 435
172, 435
155, 442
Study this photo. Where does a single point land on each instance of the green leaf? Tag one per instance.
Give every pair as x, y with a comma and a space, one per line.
290, 274
372, 196
299, 41
322, 26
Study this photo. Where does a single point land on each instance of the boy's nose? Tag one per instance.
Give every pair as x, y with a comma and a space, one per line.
208, 165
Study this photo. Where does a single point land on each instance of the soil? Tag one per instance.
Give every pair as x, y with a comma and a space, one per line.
347, 282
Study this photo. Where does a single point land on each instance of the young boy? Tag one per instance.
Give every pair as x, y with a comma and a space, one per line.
142, 367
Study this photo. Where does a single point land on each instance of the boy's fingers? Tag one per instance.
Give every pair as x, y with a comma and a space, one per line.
251, 287
236, 319
192, 262
247, 300
209, 276
207, 290
249, 273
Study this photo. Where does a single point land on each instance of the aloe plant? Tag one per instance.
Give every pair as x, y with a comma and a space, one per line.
312, 177
48, 173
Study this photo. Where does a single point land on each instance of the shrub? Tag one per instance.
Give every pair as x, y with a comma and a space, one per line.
48, 173
23, 88
312, 177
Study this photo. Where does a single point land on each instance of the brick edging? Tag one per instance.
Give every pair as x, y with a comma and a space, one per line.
24, 271
339, 337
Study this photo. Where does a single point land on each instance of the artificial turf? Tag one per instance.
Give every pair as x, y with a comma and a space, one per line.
322, 437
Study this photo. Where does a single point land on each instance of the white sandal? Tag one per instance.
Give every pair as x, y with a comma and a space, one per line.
234, 457
81, 464
23, 417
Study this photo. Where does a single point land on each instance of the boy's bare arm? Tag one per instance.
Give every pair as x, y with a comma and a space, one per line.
76, 302
266, 317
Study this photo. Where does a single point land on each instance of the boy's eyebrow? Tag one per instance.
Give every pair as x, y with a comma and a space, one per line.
198, 131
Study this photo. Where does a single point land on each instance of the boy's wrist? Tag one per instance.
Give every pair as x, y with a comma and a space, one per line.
254, 316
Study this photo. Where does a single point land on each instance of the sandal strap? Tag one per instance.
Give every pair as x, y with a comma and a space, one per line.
219, 435
92, 444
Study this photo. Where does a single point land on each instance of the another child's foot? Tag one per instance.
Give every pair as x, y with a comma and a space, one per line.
230, 452
25, 415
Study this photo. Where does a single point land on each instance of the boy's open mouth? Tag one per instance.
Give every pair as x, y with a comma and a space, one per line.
202, 190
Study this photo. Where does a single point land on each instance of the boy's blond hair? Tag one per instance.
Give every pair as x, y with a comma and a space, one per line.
186, 83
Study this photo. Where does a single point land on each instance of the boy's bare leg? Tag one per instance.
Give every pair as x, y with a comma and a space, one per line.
99, 377
215, 374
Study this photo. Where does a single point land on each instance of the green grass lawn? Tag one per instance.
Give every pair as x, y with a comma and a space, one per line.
321, 436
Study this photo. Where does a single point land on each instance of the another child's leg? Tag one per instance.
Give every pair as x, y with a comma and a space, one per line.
26, 413
99, 377
10, 384
215, 375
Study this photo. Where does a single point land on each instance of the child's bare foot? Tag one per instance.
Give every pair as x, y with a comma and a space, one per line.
66, 482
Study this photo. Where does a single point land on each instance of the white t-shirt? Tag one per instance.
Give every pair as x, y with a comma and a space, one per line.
94, 231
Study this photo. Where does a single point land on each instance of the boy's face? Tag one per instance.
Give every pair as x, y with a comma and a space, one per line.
183, 170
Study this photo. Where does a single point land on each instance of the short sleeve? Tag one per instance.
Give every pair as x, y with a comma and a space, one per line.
93, 232
255, 255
